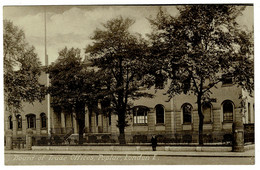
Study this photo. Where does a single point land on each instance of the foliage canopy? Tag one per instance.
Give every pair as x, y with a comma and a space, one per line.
22, 69
202, 45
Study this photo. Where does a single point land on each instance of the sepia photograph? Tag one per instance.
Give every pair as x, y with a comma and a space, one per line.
129, 84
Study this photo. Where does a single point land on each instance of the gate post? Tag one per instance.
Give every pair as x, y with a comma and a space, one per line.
9, 140
238, 137
29, 134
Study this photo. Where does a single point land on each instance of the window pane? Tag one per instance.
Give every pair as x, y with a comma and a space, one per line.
159, 114
19, 121
43, 120
31, 121
140, 115
228, 112
187, 113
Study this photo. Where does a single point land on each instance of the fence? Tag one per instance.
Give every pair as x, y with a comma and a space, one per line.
136, 139
209, 138
19, 143
249, 133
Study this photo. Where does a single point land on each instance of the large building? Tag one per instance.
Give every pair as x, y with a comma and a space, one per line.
172, 121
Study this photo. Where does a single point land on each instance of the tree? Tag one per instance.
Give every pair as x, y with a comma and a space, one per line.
202, 45
22, 70
120, 56
73, 86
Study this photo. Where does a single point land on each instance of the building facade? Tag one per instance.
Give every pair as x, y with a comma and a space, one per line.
174, 120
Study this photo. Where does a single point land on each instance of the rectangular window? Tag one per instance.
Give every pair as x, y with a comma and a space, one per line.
228, 117
227, 80
140, 119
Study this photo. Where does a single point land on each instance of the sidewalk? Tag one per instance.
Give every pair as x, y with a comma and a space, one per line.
248, 153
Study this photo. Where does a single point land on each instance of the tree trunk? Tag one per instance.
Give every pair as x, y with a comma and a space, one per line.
121, 137
81, 130
121, 111
201, 118
121, 126
80, 112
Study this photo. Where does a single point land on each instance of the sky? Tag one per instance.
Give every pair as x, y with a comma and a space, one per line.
72, 26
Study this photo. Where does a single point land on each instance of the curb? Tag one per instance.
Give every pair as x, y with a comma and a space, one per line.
133, 148
170, 151
157, 153
140, 148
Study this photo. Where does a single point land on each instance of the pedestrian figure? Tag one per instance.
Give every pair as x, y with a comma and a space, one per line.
154, 142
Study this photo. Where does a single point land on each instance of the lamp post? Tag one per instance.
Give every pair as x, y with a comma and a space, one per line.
47, 78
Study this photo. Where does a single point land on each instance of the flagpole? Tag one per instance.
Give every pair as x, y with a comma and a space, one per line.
48, 81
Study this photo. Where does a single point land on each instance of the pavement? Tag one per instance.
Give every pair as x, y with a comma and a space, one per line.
248, 153
82, 156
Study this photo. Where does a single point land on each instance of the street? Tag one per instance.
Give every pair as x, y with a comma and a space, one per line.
122, 159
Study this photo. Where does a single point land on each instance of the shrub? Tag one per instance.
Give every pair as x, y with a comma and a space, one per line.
187, 138
139, 139
57, 140
105, 138
160, 138
92, 139
227, 138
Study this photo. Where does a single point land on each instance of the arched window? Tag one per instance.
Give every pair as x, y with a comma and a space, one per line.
186, 111
43, 120
10, 122
31, 121
159, 113
140, 114
227, 111
19, 121
206, 110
